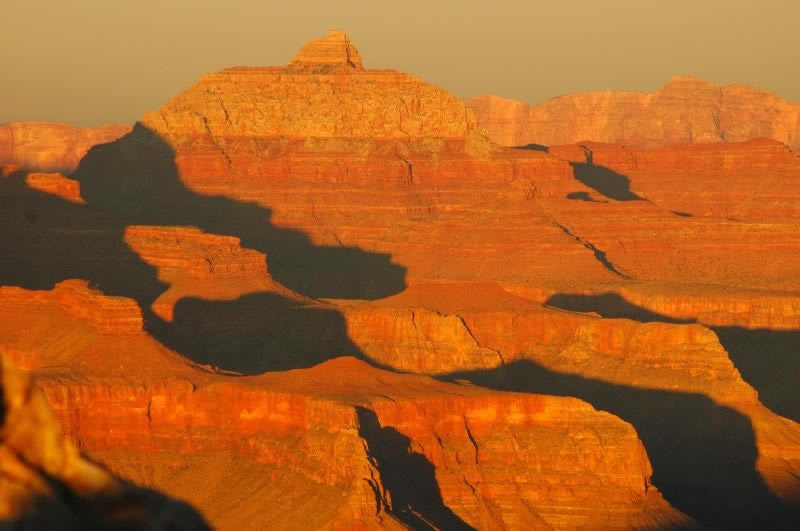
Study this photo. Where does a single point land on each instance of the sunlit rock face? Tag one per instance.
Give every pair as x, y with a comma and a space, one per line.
686, 109
319, 296
369, 447
45, 483
52, 147
335, 51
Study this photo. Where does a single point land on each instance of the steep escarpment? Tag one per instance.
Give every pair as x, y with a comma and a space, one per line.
52, 147
341, 427
691, 214
409, 449
686, 109
648, 373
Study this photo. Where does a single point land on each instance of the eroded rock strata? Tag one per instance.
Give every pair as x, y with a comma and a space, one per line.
322, 289
45, 483
686, 109
52, 147
394, 447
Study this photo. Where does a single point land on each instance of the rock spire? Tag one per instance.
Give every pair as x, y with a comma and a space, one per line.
335, 51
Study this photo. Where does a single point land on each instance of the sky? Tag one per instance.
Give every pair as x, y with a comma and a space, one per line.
89, 62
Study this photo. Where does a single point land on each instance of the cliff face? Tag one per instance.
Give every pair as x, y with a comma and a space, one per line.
45, 483
411, 446
321, 289
395, 448
324, 92
52, 147
685, 110
648, 372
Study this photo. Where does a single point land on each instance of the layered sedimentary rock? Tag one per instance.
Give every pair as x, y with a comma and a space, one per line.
55, 184
754, 181
686, 109
335, 51
394, 448
52, 147
45, 483
649, 374
273, 220
424, 449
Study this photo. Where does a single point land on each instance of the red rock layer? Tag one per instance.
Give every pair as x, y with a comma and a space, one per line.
196, 264
52, 147
340, 427
331, 52
753, 181
321, 440
686, 109
114, 315
55, 184
45, 483
644, 372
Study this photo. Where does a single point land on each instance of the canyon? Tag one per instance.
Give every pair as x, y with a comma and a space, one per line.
322, 296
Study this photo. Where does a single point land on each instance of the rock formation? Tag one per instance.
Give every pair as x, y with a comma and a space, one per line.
51, 147
355, 430
45, 483
686, 109
322, 289
329, 54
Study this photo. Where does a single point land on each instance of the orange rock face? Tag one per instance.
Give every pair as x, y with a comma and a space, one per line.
322, 289
359, 429
51, 147
332, 52
685, 110
46, 484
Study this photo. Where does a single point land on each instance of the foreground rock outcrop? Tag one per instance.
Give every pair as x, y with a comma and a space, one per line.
45, 483
686, 109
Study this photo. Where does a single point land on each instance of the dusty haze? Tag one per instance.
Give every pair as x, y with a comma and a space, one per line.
88, 62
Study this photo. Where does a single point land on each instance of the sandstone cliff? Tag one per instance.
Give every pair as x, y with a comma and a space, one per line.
51, 147
394, 448
686, 109
45, 483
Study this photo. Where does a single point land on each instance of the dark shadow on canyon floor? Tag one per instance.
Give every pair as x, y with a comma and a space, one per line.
134, 181
703, 455
610, 305
408, 476
604, 181
769, 360
47, 239
258, 332
534, 147
583, 196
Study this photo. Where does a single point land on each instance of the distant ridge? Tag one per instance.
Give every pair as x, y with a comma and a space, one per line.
52, 146
686, 109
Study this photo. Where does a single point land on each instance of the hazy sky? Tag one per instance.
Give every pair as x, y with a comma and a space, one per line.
93, 61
